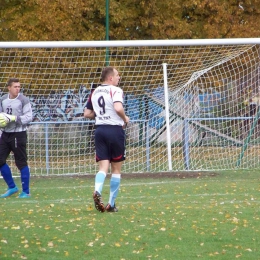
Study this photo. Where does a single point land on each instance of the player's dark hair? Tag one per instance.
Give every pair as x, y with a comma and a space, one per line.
106, 72
12, 80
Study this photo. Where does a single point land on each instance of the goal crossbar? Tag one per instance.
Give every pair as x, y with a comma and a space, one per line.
126, 43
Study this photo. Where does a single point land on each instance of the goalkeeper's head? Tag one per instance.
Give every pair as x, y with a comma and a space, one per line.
14, 87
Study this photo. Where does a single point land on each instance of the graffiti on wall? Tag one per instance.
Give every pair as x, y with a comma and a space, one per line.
66, 106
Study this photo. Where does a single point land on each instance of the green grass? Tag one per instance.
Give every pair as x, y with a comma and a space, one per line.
168, 218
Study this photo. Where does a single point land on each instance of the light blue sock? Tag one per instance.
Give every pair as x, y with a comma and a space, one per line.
114, 188
25, 179
7, 176
99, 181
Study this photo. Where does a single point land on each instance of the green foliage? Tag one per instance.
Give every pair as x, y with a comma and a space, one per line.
34, 20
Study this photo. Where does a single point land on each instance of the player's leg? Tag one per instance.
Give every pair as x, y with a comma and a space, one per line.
101, 175
114, 186
5, 150
25, 180
99, 182
102, 157
118, 156
20, 155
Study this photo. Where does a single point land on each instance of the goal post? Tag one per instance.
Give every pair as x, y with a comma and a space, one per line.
193, 104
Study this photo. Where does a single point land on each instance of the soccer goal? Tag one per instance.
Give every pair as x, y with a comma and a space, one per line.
193, 104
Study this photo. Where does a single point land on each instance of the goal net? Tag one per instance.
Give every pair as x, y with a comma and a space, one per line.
193, 104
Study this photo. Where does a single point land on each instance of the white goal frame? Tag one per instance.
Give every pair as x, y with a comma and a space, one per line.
158, 152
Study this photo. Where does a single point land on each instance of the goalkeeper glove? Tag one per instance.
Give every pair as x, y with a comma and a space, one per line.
3, 120
9, 118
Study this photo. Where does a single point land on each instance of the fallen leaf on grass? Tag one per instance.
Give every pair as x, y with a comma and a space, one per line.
18, 227
90, 208
90, 244
50, 244
235, 220
30, 211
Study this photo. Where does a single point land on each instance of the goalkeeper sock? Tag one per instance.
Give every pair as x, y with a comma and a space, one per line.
25, 179
7, 176
114, 188
99, 181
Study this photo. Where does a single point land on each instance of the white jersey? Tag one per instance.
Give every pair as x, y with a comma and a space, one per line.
103, 99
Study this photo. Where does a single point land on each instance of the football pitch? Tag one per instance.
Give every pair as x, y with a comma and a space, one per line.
192, 216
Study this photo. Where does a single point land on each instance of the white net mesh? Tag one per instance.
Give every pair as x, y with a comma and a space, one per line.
213, 101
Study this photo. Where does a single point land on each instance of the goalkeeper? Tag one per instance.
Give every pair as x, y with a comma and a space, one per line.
15, 115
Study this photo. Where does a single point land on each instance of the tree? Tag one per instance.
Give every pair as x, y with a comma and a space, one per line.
34, 20
53, 20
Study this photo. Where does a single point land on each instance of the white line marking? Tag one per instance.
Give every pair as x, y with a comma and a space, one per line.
139, 199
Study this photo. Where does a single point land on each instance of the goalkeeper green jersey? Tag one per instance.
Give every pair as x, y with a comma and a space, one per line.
19, 107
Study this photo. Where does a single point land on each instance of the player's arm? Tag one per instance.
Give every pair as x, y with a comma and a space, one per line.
118, 106
88, 113
88, 110
27, 116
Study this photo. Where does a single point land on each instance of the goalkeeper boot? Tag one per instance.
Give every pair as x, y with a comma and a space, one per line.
109, 208
9, 192
24, 195
99, 205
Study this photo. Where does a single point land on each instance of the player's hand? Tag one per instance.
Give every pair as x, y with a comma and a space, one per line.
3, 120
126, 122
127, 119
9, 118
